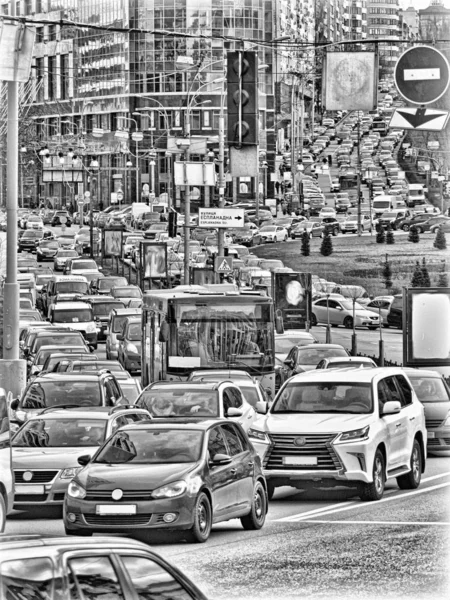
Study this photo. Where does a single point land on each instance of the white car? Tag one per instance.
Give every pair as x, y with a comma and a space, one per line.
356, 427
273, 233
327, 211
340, 312
284, 342
381, 306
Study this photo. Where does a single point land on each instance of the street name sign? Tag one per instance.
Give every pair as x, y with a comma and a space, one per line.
420, 119
422, 75
223, 264
221, 217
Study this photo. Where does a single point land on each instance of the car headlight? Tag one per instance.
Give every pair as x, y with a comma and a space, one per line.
256, 434
75, 490
172, 490
132, 349
446, 422
70, 472
355, 435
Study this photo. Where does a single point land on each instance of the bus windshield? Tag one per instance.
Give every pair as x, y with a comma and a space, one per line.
348, 181
217, 335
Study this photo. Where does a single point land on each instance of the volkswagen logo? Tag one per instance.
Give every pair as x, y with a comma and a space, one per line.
27, 476
300, 441
117, 494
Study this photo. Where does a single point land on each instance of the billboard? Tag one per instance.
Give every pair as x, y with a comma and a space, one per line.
154, 260
292, 298
112, 242
350, 81
426, 327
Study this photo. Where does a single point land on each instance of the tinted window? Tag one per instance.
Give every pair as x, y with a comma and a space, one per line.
53, 433
30, 578
394, 392
93, 577
151, 581
53, 393
405, 389
216, 442
233, 439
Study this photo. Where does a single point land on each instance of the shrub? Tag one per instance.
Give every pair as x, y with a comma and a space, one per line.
440, 241
413, 235
442, 280
381, 235
417, 278
387, 275
306, 246
326, 248
425, 275
390, 235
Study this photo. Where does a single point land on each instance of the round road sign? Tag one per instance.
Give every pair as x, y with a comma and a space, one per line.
119, 196
63, 220
422, 75
87, 194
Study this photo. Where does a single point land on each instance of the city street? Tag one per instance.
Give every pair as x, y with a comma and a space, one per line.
320, 544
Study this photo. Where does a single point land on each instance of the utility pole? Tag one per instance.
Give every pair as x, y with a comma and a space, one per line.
220, 232
187, 199
358, 177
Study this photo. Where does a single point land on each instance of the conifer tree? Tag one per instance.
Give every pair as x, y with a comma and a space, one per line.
417, 278
387, 274
326, 248
381, 235
306, 245
413, 235
442, 280
426, 282
390, 235
440, 241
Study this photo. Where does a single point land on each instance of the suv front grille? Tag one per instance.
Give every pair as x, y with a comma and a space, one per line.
316, 445
38, 476
433, 423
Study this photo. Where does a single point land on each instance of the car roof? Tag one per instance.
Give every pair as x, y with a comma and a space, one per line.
104, 298
187, 385
347, 375
127, 311
69, 376
316, 347
338, 359
70, 305
10, 542
88, 412
413, 373
58, 278
182, 424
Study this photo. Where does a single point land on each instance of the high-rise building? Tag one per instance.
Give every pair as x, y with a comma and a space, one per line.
383, 23
434, 21
410, 18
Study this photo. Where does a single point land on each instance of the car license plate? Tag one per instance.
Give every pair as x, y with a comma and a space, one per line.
300, 460
113, 509
29, 489
431, 434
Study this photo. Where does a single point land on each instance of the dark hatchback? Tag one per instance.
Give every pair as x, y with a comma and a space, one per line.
184, 476
395, 314
102, 307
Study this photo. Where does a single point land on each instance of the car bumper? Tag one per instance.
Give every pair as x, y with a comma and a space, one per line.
148, 514
35, 495
438, 440
132, 363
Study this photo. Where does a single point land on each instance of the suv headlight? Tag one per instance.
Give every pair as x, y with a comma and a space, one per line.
355, 435
446, 422
75, 490
172, 490
132, 349
70, 472
256, 434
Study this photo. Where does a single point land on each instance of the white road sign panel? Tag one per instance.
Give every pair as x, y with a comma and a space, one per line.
221, 217
421, 74
419, 119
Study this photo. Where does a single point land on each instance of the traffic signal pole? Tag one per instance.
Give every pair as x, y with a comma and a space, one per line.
220, 232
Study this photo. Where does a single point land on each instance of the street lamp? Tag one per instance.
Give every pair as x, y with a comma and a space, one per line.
328, 331
168, 155
152, 155
136, 136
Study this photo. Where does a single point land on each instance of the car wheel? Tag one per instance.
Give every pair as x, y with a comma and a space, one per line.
405, 227
411, 480
285, 238
375, 490
348, 322
202, 519
419, 229
257, 515
2, 513
270, 490
313, 320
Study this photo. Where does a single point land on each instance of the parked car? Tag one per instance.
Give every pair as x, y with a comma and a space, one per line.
318, 422
305, 358
395, 314
312, 228
342, 312
273, 233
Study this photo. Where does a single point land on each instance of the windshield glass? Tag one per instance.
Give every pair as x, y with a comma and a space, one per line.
267, 228
102, 309
284, 344
189, 402
83, 315
53, 433
348, 305
45, 244
152, 446
127, 293
42, 279
53, 393
83, 264
134, 333
117, 323
107, 283
217, 335
311, 356
66, 287
430, 389
329, 397
71, 339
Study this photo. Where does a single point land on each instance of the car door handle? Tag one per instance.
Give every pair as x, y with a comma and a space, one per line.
233, 471
398, 425
412, 418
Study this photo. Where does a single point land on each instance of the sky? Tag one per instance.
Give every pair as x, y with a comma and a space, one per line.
418, 4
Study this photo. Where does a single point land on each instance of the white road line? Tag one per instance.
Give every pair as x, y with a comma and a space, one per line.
435, 477
351, 505
440, 523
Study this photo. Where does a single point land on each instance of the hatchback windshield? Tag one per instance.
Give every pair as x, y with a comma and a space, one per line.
328, 397
127, 293
178, 403
152, 447
268, 228
54, 433
83, 315
53, 393
83, 264
68, 287
134, 333
309, 356
107, 283
51, 244
430, 389
102, 309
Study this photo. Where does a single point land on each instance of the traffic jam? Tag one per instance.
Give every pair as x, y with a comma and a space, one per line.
190, 404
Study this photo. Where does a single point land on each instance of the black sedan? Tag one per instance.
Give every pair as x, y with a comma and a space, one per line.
183, 476
46, 250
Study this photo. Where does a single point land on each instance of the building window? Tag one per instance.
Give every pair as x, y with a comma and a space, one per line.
51, 78
64, 76
27, 7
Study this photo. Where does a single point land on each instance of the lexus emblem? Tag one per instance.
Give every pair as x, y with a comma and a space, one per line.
27, 476
117, 494
300, 441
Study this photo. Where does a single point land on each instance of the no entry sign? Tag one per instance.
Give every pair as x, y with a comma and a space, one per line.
422, 75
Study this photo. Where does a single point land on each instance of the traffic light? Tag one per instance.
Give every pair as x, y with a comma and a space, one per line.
173, 224
242, 98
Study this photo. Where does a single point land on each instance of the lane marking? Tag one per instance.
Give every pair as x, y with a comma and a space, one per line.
435, 477
421, 74
440, 523
350, 506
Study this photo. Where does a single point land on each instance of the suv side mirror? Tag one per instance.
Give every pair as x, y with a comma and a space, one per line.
84, 459
261, 407
392, 407
233, 412
14, 404
289, 362
120, 337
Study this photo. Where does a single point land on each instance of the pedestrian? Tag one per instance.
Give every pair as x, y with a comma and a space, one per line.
100, 205
330, 160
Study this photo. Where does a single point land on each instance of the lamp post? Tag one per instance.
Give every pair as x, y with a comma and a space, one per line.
136, 136
168, 155
328, 331
128, 166
93, 166
152, 154
381, 342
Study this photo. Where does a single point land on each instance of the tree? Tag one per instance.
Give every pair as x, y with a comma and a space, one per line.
390, 235
442, 280
417, 278
326, 248
387, 274
381, 235
440, 241
426, 282
306, 246
413, 235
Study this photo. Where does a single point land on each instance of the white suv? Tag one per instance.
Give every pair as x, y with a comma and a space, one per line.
347, 427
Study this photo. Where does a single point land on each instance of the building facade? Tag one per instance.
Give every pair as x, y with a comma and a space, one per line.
383, 23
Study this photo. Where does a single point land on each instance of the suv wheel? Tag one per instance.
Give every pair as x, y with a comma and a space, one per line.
375, 490
405, 227
411, 480
202, 519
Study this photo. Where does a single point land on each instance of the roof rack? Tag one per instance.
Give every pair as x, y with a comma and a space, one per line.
60, 407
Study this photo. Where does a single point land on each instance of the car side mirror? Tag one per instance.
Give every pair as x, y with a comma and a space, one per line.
392, 407
218, 459
261, 407
164, 332
233, 412
120, 337
91, 348
14, 404
289, 363
84, 459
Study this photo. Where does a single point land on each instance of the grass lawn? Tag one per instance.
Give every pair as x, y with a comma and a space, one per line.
359, 260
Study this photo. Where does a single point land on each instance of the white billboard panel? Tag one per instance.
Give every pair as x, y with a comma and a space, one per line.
349, 81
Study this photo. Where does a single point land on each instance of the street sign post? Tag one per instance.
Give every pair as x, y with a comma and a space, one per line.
422, 75
223, 264
221, 217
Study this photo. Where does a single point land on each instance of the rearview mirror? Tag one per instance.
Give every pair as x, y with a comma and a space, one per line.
84, 459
